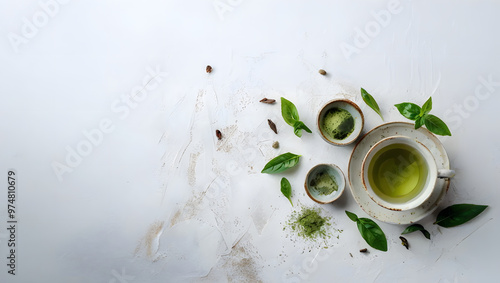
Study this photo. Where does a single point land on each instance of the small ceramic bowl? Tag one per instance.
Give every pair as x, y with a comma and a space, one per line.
356, 114
334, 172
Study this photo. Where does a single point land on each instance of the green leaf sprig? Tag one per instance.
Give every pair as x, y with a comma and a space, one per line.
291, 117
458, 214
417, 227
281, 163
286, 189
422, 117
370, 101
370, 231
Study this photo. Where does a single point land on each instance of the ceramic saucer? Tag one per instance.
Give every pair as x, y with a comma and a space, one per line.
359, 192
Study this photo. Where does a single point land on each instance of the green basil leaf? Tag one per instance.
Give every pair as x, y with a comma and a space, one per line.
373, 235
281, 163
298, 126
370, 101
370, 231
297, 132
426, 108
352, 216
458, 214
417, 227
302, 126
409, 110
289, 112
419, 122
286, 189
436, 125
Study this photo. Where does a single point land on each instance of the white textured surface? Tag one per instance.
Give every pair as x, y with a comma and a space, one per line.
158, 198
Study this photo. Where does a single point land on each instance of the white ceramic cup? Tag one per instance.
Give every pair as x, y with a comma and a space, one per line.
398, 203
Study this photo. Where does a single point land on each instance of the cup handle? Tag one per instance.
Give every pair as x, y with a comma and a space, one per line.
445, 173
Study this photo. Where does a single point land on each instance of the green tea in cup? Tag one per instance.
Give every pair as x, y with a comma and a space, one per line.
400, 173
397, 173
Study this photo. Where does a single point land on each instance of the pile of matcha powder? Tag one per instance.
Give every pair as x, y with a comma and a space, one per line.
309, 224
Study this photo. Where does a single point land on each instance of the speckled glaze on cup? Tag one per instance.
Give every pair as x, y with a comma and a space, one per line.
355, 112
335, 172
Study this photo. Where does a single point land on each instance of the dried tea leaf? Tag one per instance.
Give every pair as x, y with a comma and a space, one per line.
272, 126
218, 134
267, 100
365, 250
209, 69
321, 71
404, 242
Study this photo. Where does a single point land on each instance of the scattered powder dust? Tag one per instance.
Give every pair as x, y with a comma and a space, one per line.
228, 133
176, 218
240, 265
239, 101
193, 158
149, 244
199, 101
243, 268
189, 210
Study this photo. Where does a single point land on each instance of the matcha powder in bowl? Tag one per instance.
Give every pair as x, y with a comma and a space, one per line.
338, 123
